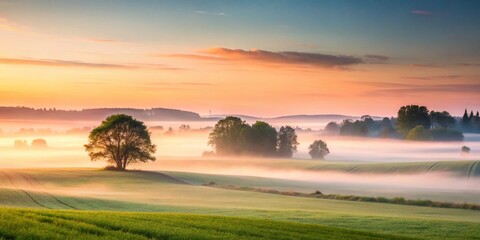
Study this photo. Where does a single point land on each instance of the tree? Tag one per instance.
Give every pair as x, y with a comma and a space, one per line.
287, 141
120, 140
332, 128
441, 119
318, 149
411, 116
418, 133
466, 123
228, 136
387, 128
39, 143
261, 139
357, 128
20, 144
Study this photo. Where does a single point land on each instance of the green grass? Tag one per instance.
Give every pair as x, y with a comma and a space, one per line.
459, 168
87, 190
44, 224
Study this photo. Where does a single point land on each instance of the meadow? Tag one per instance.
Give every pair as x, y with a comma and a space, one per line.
60, 194
60, 204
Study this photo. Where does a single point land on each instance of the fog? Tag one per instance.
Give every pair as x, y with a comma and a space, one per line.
66, 150
181, 151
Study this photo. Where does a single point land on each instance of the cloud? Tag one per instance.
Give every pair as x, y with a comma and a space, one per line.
378, 58
427, 65
64, 63
210, 13
60, 63
179, 83
89, 83
402, 88
421, 12
302, 59
192, 56
434, 77
469, 64
101, 40
8, 25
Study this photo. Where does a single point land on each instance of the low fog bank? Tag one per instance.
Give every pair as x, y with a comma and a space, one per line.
66, 150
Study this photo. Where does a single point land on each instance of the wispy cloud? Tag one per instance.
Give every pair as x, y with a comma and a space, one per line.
8, 25
89, 83
380, 58
303, 59
179, 83
101, 40
422, 12
403, 88
60, 63
427, 65
65, 63
469, 64
434, 77
210, 13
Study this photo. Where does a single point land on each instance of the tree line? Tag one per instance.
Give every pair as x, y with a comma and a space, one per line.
233, 136
413, 122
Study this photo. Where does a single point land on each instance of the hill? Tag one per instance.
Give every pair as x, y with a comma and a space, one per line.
82, 190
97, 114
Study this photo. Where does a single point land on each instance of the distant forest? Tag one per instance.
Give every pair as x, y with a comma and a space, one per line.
97, 114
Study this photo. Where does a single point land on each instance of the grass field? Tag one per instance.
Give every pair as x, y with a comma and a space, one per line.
459, 168
42, 224
80, 190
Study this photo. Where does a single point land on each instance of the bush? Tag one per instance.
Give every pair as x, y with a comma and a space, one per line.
110, 168
39, 143
418, 133
20, 144
445, 134
465, 149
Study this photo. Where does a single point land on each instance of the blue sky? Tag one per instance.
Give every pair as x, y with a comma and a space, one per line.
321, 50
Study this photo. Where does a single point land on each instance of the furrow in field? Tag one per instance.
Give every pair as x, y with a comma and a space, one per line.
12, 182
34, 183
473, 169
431, 167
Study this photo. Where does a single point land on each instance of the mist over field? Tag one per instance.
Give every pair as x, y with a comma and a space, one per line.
181, 151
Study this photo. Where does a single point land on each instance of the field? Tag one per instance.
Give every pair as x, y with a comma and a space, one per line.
80, 191
38, 224
459, 168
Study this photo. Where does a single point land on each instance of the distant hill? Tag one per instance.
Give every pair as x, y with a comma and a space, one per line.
153, 114
315, 118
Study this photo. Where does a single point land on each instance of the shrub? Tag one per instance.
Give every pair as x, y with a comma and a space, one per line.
39, 143
465, 149
418, 133
445, 134
20, 144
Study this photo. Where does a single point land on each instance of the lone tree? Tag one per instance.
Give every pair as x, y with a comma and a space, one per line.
287, 141
120, 140
318, 149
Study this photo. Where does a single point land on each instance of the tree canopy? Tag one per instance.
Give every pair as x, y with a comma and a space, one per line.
287, 141
318, 149
411, 116
261, 139
228, 136
120, 140
233, 136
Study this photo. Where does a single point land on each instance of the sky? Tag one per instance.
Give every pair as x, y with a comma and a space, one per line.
263, 58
